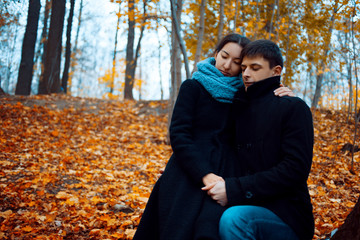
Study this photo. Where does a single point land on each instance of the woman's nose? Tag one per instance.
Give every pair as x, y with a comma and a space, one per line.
227, 64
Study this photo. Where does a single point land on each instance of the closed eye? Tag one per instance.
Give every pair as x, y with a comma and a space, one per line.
224, 56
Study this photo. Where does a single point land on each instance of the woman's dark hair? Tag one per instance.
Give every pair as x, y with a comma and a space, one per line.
234, 38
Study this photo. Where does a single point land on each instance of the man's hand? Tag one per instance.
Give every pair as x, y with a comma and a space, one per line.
211, 178
217, 191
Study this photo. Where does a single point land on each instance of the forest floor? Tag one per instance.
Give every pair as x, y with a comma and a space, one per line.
80, 168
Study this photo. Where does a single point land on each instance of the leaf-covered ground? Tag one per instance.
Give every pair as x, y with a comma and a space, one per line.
74, 168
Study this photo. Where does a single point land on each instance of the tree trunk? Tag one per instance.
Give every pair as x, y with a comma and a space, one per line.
23, 86
320, 76
138, 46
45, 32
65, 77
257, 10
159, 62
129, 78
350, 230
51, 79
42, 43
10, 64
236, 14
76, 42
221, 20
177, 29
348, 62
114, 54
242, 18
274, 9
131, 58
176, 63
318, 86
2, 92
200, 35
356, 99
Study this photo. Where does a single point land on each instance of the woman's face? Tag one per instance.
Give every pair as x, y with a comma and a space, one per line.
228, 59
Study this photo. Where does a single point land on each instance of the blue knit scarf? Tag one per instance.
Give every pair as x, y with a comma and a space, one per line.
220, 87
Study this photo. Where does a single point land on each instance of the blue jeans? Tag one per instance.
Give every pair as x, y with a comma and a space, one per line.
255, 223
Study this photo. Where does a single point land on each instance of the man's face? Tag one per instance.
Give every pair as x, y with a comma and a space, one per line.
256, 69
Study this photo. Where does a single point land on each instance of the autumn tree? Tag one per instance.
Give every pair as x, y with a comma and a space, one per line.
10, 12
237, 3
23, 86
50, 81
2, 92
74, 51
115, 52
41, 48
131, 56
221, 20
159, 55
129, 77
192, 31
175, 55
65, 77
200, 39
328, 22
346, 61
356, 111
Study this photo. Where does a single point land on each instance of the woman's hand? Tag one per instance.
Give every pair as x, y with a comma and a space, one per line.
283, 91
217, 191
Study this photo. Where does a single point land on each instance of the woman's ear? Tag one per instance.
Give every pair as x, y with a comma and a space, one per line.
277, 70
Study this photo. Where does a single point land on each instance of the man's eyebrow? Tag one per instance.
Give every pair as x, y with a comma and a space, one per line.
251, 65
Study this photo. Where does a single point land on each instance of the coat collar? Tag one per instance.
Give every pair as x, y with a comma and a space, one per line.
258, 89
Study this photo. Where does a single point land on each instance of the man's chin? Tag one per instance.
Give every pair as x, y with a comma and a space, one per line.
247, 85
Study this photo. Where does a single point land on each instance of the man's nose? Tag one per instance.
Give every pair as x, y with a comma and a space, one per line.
245, 72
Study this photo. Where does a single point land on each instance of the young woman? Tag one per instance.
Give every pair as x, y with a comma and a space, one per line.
178, 209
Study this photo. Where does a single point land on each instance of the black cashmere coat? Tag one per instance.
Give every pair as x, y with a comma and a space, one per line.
274, 141
177, 208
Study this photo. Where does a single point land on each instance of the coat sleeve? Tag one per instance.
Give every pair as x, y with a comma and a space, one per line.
291, 172
182, 139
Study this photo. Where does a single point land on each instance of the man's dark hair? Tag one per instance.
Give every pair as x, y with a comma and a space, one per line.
234, 38
263, 48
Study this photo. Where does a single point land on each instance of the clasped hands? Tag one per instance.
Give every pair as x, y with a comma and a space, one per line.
215, 187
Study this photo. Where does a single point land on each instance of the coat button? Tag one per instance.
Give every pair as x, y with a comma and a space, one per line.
248, 195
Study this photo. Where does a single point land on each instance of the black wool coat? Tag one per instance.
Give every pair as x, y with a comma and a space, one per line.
177, 208
274, 141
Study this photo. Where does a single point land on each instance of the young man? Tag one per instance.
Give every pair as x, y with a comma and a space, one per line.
274, 140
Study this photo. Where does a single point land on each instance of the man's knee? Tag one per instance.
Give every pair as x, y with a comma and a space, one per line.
227, 220
226, 224
233, 225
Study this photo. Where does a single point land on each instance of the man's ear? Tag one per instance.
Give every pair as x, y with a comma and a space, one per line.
277, 70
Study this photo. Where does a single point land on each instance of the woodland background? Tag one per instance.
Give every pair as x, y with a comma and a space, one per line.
80, 149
